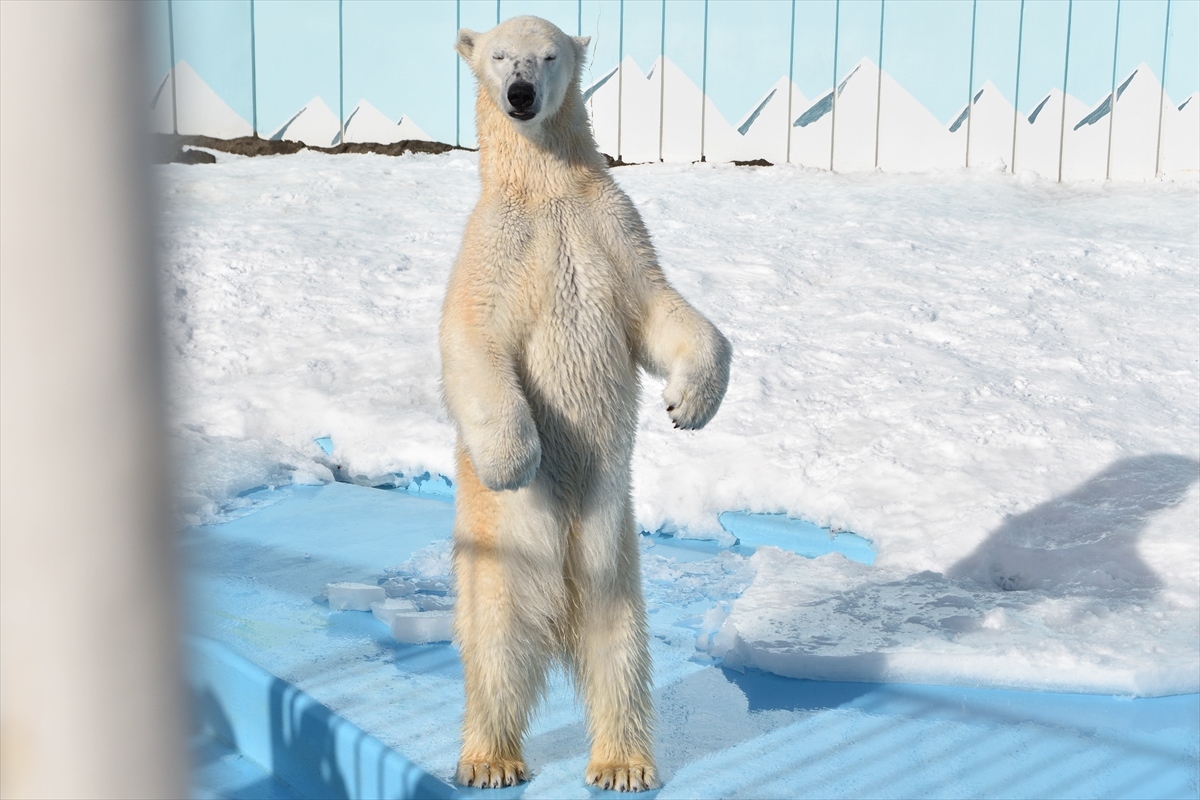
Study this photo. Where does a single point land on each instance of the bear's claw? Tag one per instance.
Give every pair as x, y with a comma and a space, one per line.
622, 777
491, 774
691, 403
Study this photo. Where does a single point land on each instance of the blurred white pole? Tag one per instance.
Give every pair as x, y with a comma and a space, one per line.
90, 690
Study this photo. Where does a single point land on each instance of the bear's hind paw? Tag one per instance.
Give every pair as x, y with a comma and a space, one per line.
637, 777
494, 774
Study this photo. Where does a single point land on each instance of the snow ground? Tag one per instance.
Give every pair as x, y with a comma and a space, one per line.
996, 380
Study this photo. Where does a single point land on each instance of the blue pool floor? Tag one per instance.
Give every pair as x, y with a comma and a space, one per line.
295, 700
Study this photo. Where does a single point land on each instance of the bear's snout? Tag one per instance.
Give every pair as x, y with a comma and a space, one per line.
521, 96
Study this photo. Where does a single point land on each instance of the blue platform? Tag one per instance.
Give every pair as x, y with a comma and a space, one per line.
296, 700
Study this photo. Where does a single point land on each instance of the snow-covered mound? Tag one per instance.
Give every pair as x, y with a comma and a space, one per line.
996, 380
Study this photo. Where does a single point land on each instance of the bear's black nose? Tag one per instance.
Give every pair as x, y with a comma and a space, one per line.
521, 95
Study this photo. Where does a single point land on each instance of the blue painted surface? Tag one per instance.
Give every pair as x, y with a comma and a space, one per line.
222, 772
299, 741
721, 733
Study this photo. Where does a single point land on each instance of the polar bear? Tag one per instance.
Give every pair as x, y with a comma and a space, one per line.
554, 303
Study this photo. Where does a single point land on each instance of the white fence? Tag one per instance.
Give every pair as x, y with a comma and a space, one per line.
1070, 90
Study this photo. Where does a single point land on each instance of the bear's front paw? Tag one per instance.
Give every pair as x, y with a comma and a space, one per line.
697, 384
509, 460
637, 776
691, 403
494, 774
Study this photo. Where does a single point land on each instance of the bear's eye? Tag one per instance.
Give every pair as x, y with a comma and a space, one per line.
498, 56
551, 57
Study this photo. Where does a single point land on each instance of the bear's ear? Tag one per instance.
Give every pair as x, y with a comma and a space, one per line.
581, 47
466, 43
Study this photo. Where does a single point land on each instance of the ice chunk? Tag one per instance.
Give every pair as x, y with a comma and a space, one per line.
398, 587
830, 618
353, 596
422, 627
386, 610
434, 602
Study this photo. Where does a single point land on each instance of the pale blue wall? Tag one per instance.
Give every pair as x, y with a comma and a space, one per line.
297, 57
213, 36
395, 61
399, 55
1183, 51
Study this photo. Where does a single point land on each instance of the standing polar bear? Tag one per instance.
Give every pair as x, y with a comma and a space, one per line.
554, 303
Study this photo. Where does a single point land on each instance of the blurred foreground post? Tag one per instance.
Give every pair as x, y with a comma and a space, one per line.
90, 690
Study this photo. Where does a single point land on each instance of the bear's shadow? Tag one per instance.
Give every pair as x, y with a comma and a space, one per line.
1085, 542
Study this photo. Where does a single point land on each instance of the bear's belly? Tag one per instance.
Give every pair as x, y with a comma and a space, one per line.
578, 371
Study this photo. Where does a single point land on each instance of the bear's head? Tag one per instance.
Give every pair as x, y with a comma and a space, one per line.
526, 65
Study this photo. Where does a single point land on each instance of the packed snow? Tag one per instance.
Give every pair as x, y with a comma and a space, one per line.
995, 380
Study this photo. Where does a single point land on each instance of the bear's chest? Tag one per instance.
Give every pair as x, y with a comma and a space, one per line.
571, 282
577, 312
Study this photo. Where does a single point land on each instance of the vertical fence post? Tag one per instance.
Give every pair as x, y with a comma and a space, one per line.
791, 80
579, 18
497, 12
1112, 103
837, 21
457, 77
662, 77
341, 80
879, 83
704, 82
1012, 166
174, 93
77, 249
1062, 124
620, 71
253, 76
971, 81
1162, 94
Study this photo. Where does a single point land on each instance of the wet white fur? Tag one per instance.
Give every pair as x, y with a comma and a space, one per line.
554, 304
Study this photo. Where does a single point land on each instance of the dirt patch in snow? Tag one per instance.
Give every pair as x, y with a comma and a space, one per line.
169, 148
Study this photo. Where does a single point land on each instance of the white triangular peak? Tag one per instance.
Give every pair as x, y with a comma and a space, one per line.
682, 104
366, 123
766, 127
875, 117
314, 125
628, 106
1181, 136
1140, 105
1037, 145
625, 109
855, 113
987, 100
411, 131
772, 103
991, 128
200, 111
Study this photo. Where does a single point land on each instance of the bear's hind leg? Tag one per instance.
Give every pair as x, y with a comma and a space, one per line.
610, 647
508, 571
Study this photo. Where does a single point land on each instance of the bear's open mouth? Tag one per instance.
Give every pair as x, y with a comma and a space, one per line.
524, 116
